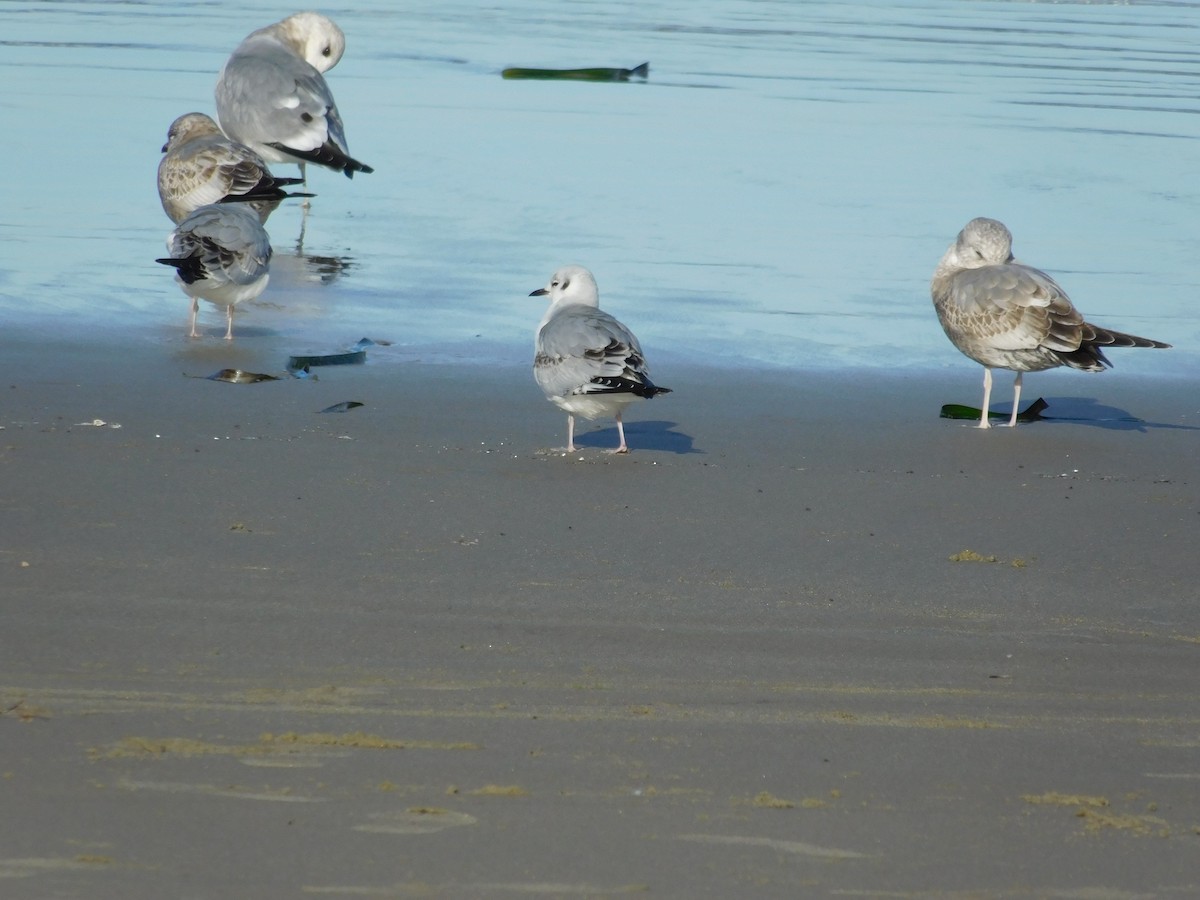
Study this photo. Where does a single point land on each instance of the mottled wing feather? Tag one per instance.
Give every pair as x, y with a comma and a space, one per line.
1013, 307
586, 350
225, 249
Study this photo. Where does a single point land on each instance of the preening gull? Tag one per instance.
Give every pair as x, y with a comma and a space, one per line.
272, 98
201, 166
221, 254
1007, 315
585, 361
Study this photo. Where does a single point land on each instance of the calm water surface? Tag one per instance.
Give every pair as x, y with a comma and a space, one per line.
777, 193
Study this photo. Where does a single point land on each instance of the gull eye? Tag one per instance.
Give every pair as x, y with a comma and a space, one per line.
327, 51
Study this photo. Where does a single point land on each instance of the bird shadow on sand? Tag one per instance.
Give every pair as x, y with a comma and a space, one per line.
642, 435
1088, 411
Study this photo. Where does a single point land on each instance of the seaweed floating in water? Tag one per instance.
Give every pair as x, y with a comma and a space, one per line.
1031, 413
597, 74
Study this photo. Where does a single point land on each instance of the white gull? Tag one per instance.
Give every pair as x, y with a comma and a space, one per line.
271, 95
221, 254
585, 361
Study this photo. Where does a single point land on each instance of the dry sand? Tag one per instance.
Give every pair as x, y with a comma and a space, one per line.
250, 650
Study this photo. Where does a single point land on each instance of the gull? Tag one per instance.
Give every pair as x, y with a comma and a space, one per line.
585, 361
1006, 315
201, 166
221, 254
272, 98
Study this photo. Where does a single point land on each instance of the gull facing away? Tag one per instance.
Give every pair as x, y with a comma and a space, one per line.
272, 97
1007, 315
221, 254
201, 166
585, 361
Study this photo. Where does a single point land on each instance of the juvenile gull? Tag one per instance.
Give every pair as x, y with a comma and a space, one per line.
1007, 315
585, 361
221, 254
272, 98
201, 166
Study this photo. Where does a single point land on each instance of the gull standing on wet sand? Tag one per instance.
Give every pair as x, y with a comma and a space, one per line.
221, 254
586, 362
201, 166
272, 98
1007, 315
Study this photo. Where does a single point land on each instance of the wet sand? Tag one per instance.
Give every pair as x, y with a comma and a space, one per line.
806, 640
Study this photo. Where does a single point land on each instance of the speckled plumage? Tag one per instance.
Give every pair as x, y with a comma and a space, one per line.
271, 95
1006, 315
585, 361
200, 165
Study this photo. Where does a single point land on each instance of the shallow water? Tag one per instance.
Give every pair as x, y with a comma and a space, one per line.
778, 192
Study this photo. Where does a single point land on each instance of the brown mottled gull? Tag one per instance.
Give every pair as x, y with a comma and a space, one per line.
1007, 315
201, 166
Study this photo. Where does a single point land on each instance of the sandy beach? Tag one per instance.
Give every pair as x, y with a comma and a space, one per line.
808, 639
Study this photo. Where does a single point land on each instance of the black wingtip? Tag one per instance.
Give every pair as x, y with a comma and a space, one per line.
650, 391
190, 269
275, 196
355, 166
327, 155
644, 389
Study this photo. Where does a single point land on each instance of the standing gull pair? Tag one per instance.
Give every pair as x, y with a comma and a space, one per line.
585, 361
1006, 315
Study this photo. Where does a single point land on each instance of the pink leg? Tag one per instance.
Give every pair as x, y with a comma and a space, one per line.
229, 319
987, 398
570, 433
1012, 422
622, 447
192, 320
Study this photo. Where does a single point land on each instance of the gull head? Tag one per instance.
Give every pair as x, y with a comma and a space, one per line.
315, 37
188, 127
570, 285
982, 242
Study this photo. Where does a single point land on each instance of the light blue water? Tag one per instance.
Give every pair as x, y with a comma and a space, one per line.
779, 192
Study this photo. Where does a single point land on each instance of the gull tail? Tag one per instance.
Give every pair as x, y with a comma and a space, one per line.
1090, 355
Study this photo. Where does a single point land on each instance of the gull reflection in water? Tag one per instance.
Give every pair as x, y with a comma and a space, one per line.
307, 268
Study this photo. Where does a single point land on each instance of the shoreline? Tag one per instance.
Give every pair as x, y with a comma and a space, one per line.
409, 648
